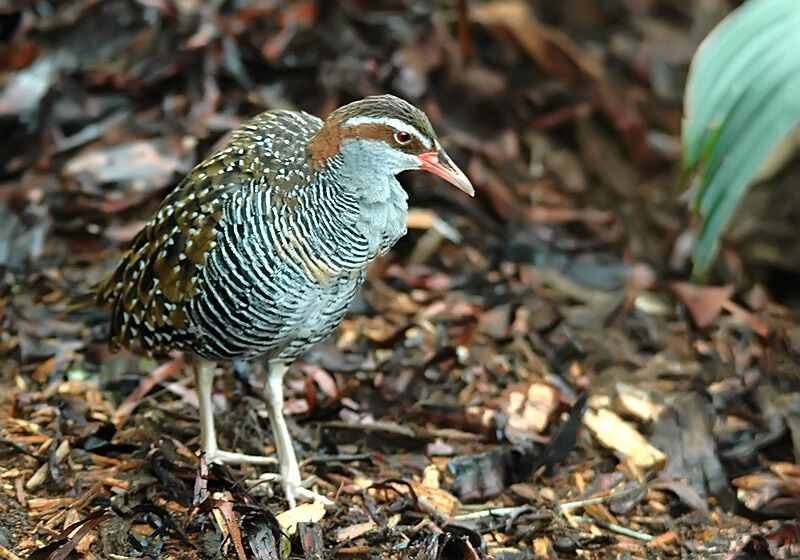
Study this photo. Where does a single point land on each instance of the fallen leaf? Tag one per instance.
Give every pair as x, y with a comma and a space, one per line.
758, 326
704, 303
554, 51
145, 165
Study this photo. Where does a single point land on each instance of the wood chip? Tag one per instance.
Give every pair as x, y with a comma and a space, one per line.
663, 539
304, 513
542, 547
440, 500
639, 406
355, 531
530, 408
431, 477
615, 433
40, 476
5, 553
420, 218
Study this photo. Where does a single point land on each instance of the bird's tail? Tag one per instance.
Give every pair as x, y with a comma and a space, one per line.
82, 301
97, 296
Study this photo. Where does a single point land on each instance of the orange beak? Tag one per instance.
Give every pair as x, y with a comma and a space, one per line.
439, 163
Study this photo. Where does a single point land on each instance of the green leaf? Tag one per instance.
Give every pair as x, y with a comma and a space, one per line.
742, 98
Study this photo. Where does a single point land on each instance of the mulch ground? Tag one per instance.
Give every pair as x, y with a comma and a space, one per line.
527, 375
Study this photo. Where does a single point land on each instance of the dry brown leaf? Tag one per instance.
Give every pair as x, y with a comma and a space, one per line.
145, 165
434, 500
491, 185
225, 510
704, 303
554, 51
758, 326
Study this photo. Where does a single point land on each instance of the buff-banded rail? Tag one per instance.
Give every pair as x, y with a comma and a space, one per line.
260, 249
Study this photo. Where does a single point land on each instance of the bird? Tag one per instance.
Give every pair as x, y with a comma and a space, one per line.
258, 252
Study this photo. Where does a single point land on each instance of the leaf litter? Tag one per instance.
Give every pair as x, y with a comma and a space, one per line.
526, 375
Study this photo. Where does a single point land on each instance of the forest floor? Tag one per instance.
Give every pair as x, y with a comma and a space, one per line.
528, 374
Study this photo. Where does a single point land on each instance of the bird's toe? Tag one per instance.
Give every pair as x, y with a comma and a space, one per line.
231, 458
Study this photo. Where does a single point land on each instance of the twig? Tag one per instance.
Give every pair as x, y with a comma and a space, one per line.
159, 374
464, 39
20, 449
496, 512
615, 528
5, 553
599, 500
343, 458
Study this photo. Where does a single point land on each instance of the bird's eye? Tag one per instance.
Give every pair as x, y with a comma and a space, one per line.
402, 137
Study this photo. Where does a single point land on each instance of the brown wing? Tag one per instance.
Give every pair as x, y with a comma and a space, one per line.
159, 274
148, 290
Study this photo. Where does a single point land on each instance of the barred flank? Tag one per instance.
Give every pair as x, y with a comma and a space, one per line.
254, 253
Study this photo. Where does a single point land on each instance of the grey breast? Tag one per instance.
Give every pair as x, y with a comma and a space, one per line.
287, 263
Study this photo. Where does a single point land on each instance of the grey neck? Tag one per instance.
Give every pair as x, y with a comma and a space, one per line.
382, 203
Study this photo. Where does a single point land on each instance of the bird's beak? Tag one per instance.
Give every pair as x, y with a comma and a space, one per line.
439, 163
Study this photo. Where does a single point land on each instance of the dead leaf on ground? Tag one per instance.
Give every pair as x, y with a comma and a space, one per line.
145, 165
704, 303
554, 51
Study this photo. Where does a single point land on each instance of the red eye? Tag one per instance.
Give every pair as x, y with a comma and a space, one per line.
402, 137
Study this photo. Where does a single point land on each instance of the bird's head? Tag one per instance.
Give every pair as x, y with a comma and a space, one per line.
383, 134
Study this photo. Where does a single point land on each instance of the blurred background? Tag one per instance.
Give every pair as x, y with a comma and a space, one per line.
567, 116
567, 270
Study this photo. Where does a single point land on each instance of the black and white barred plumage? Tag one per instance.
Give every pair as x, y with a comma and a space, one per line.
259, 251
261, 248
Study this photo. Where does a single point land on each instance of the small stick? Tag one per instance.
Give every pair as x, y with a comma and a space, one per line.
464, 39
159, 374
5, 553
496, 512
600, 499
615, 528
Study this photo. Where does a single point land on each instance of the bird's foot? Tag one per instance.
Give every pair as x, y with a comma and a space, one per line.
295, 489
230, 458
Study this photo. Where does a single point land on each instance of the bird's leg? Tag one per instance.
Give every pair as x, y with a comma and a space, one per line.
204, 378
287, 462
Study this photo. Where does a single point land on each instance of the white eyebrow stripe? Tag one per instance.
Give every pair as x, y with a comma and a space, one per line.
395, 123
